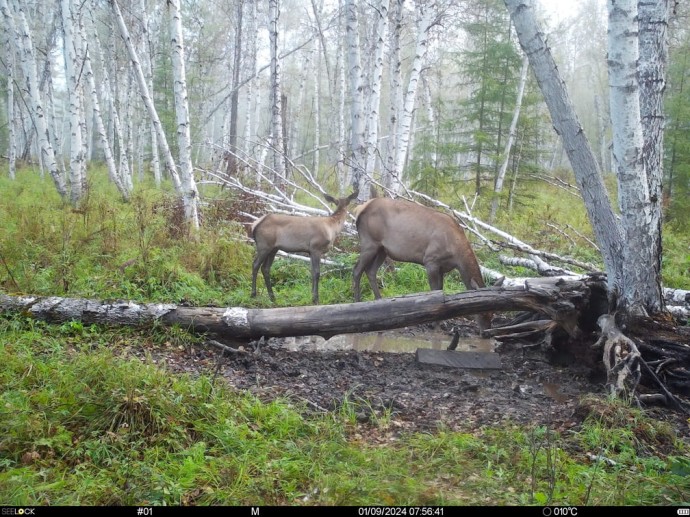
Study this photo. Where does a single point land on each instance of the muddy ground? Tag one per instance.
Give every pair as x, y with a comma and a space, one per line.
534, 385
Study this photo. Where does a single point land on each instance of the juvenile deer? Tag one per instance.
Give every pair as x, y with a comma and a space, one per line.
293, 233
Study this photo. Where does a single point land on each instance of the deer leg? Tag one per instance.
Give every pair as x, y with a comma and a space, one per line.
363, 263
315, 275
435, 276
266, 271
373, 269
258, 260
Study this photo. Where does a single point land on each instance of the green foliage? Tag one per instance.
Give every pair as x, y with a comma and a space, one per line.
84, 423
677, 139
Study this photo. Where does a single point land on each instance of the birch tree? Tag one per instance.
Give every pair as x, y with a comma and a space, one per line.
30, 88
628, 269
11, 137
122, 186
188, 190
372, 130
653, 18
276, 93
498, 188
73, 68
357, 153
391, 179
147, 29
425, 17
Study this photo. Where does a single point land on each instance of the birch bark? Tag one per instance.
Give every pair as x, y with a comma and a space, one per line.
653, 18
188, 190
74, 85
375, 95
113, 172
498, 188
588, 175
357, 147
147, 28
146, 97
29, 86
276, 94
425, 17
390, 179
12, 137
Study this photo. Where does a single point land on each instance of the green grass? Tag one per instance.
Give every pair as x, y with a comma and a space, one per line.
83, 422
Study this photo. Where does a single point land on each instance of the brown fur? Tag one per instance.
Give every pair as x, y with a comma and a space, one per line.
292, 233
409, 232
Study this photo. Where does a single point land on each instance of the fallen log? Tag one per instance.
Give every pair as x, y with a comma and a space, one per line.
563, 302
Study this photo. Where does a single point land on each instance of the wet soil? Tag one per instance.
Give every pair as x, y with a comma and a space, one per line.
536, 385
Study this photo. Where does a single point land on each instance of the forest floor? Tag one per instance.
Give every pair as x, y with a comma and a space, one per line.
534, 386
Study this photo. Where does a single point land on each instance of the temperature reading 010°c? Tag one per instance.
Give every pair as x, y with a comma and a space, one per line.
559, 511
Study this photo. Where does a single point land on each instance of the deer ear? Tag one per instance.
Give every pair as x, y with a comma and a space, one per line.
330, 199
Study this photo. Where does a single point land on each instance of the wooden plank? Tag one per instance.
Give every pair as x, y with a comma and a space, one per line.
454, 359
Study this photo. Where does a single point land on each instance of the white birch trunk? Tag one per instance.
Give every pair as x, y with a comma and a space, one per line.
123, 171
317, 106
639, 252
250, 38
190, 195
148, 72
12, 137
606, 228
341, 89
146, 97
425, 16
375, 96
357, 155
76, 119
653, 44
390, 179
276, 94
29, 87
101, 131
498, 188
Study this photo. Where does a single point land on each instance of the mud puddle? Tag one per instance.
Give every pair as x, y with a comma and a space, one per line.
391, 342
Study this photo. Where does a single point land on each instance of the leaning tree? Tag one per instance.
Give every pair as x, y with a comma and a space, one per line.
630, 241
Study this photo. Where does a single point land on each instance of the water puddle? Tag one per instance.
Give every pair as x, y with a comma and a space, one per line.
387, 342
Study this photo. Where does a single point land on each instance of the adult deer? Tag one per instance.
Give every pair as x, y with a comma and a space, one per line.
409, 232
293, 233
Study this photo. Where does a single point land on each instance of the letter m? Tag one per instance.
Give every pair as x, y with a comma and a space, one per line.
255, 510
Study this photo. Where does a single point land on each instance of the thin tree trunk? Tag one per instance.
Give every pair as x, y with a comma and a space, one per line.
404, 127
357, 145
498, 188
235, 96
146, 97
123, 170
341, 89
391, 179
31, 92
190, 195
11, 137
249, 93
276, 94
375, 94
102, 134
317, 107
148, 71
74, 85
